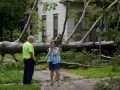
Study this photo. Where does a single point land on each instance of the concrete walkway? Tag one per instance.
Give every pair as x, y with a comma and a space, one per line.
67, 81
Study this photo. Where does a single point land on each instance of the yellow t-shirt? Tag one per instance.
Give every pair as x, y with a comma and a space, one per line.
27, 48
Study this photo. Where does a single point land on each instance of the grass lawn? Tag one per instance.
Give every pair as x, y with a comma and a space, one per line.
94, 72
12, 80
10, 76
20, 87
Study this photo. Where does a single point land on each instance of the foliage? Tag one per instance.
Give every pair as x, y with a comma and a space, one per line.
10, 79
109, 18
105, 1
10, 76
82, 58
49, 6
13, 17
18, 56
112, 34
10, 66
115, 62
37, 23
41, 57
108, 84
72, 14
16, 34
58, 39
95, 11
77, 36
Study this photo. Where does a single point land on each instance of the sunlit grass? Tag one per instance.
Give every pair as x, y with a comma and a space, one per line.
12, 80
10, 76
94, 72
20, 87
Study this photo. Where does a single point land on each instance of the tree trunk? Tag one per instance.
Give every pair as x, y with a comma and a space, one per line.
66, 17
118, 9
16, 47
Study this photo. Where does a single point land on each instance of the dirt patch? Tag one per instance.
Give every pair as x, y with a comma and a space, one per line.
67, 81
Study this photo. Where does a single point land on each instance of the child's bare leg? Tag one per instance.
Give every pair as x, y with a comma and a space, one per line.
51, 76
57, 77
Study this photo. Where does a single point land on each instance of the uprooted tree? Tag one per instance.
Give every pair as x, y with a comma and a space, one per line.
16, 46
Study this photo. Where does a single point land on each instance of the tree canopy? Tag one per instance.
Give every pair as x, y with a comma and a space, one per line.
13, 15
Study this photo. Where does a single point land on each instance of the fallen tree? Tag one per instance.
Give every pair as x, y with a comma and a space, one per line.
7, 47
16, 47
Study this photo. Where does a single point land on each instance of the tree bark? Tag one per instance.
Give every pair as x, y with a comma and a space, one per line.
95, 23
16, 47
66, 17
118, 9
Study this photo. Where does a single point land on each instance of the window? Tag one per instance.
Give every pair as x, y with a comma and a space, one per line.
44, 28
55, 25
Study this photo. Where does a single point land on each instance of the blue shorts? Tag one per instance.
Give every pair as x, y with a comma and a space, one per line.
53, 66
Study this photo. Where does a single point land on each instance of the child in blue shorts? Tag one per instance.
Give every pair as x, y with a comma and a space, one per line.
54, 61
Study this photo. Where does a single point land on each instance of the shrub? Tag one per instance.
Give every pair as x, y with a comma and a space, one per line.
108, 84
41, 57
115, 62
68, 56
79, 57
9, 64
20, 65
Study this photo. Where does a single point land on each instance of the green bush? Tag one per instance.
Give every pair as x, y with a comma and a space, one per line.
87, 58
10, 66
80, 57
68, 56
41, 57
20, 65
115, 62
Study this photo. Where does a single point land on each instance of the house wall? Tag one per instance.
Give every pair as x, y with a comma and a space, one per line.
60, 10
